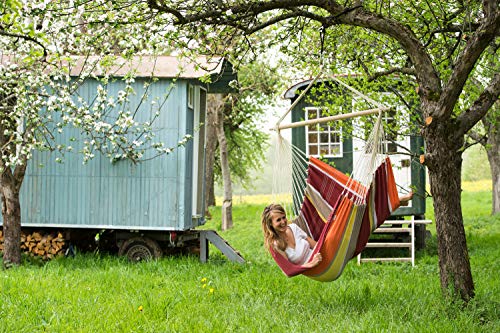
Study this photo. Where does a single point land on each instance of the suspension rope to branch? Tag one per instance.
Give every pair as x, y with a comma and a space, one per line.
277, 127
379, 109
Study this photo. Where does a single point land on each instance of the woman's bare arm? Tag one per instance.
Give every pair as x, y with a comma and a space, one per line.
312, 242
316, 259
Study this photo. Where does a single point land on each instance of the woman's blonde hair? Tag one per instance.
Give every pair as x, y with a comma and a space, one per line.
271, 237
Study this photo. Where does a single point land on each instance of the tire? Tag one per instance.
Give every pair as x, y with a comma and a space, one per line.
140, 249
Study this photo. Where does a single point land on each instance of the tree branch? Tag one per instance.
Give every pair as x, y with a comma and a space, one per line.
294, 13
239, 14
427, 76
479, 41
406, 70
166, 9
477, 138
481, 106
27, 38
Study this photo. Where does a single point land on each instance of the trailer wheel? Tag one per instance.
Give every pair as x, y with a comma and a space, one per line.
139, 249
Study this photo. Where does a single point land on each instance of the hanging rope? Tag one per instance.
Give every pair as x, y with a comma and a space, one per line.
298, 99
379, 109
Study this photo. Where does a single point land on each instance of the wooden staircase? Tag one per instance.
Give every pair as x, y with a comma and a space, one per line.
396, 228
213, 237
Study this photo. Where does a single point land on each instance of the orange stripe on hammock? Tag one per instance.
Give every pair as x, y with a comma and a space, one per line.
392, 190
333, 238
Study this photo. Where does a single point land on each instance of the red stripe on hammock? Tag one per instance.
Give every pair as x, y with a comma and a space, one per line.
312, 218
329, 189
365, 229
391, 186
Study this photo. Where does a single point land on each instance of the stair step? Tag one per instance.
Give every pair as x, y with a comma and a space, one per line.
394, 227
375, 245
391, 230
384, 259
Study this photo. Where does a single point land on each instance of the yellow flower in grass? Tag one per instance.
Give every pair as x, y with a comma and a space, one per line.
204, 285
204, 280
211, 290
140, 308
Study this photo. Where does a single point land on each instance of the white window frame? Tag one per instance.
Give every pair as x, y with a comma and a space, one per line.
387, 117
326, 129
197, 208
191, 96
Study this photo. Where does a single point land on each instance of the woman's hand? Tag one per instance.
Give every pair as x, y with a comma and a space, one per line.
316, 259
403, 200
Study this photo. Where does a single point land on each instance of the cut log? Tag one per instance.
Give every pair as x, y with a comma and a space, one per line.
45, 245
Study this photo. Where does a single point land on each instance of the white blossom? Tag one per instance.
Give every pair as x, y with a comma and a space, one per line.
40, 83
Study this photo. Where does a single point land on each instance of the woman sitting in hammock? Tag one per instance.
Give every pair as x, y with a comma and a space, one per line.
289, 240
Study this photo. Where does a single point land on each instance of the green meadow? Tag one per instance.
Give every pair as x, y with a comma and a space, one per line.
103, 293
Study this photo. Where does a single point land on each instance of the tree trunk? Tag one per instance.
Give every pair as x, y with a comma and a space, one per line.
494, 159
11, 214
210, 148
227, 204
444, 165
493, 152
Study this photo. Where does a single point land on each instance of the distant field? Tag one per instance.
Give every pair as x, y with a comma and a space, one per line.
258, 199
477, 186
264, 199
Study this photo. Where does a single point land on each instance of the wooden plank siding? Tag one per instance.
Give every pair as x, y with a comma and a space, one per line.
151, 195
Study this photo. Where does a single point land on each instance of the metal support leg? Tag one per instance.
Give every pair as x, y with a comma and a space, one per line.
203, 247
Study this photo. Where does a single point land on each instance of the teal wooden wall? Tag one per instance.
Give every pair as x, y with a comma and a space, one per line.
151, 195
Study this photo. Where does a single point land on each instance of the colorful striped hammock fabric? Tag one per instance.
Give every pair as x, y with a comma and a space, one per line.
340, 214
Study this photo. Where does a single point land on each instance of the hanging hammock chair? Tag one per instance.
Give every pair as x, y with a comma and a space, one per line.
339, 211
340, 214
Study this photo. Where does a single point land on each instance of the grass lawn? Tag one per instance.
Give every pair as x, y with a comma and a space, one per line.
101, 293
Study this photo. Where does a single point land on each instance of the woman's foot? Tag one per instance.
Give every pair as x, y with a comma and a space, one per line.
405, 198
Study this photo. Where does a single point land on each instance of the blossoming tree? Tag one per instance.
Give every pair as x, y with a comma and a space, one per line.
42, 43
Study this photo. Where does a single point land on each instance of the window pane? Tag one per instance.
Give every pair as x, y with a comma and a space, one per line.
334, 137
313, 132
312, 114
312, 127
313, 138
323, 137
323, 149
392, 147
335, 149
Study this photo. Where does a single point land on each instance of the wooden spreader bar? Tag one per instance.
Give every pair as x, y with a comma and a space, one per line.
332, 118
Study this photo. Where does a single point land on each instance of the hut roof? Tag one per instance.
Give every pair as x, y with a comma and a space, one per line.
294, 90
219, 69
152, 66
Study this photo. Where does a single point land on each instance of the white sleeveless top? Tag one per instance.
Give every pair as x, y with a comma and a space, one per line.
302, 252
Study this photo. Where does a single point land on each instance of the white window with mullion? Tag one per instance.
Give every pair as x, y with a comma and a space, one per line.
322, 139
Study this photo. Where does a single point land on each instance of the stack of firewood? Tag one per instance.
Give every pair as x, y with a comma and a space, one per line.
45, 245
